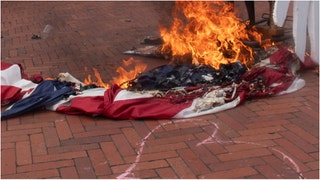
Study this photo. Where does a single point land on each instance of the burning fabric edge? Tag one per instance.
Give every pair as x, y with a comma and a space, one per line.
271, 79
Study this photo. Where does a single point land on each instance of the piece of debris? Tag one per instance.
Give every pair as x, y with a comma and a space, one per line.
35, 36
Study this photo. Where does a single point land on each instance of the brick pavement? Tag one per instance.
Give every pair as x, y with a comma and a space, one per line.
267, 138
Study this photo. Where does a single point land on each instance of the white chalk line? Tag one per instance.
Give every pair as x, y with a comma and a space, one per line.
211, 139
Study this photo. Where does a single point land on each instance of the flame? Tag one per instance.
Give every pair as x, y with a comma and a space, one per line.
123, 77
210, 32
99, 81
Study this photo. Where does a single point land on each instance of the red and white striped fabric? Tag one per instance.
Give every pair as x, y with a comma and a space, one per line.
118, 103
14, 85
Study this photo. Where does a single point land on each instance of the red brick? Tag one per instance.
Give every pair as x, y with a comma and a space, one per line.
143, 129
111, 153
202, 152
313, 165
68, 173
84, 168
23, 153
282, 105
178, 131
311, 174
165, 147
13, 53
21, 132
302, 133
299, 142
293, 149
8, 161
146, 174
313, 112
284, 99
122, 145
315, 155
132, 136
10, 139
255, 105
57, 157
141, 166
179, 125
3, 126
96, 133
223, 129
231, 174
238, 116
30, 126
267, 124
247, 145
277, 111
230, 121
289, 159
264, 130
307, 123
268, 172
180, 168
75, 124
51, 137
87, 121
63, 130
71, 148
235, 164
245, 111
166, 173
45, 174
169, 140
280, 166
44, 166
155, 124
243, 154
255, 138
108, 125
10, 145
151, 156
86, 140
38, 146
195, 164
99, 162
13, 122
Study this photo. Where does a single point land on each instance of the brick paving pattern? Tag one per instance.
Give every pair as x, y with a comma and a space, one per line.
275, 137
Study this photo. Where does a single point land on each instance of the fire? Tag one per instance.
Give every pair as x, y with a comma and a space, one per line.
124, 75
99, 81
209, 32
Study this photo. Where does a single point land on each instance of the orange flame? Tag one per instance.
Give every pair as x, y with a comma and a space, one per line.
210, 32
124, 75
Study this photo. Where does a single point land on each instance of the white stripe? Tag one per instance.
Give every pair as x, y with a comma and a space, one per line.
192, 110
127, 95
87, 93
10, 75
295, 86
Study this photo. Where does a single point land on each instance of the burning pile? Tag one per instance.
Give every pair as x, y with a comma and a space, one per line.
207, 32
203, 33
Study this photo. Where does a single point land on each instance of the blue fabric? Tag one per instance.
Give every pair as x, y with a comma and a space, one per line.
166, 77
46, 92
